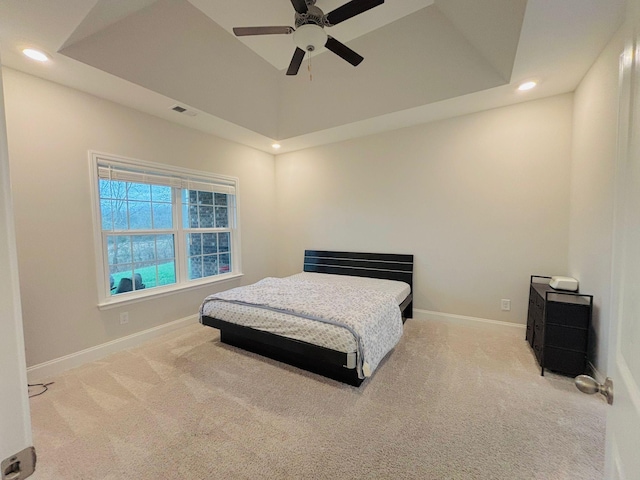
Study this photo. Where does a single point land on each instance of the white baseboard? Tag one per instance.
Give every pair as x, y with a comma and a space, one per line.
58, 365
452, 317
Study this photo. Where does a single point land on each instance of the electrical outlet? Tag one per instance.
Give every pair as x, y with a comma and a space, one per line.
124, 318
505, 304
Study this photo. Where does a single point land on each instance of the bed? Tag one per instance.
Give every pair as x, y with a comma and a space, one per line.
358, 281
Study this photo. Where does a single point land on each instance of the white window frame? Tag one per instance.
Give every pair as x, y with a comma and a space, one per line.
186, 176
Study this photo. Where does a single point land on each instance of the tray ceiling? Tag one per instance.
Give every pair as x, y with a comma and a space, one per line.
424, 59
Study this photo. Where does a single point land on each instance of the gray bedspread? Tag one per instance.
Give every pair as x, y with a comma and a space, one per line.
373, 317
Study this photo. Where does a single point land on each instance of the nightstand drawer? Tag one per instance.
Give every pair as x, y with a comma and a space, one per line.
565, 337
569, 314
564, 361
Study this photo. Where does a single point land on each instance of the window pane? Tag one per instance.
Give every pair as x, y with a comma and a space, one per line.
119, 249
120, 264
144, 275
106, 215
193, 216
223, 242
203, 260
205, 198
160, 193
209, 243
105, 188
224, 263
198, 207
167, 273
162, 216
222, 218
128, 282
131, 206
209, 265
117, 272
133, 265
194, 240
139, 191
206, 217
139, 215
164, 247
117, 190
221, 199
144, 248
195, 267
120, 219
121, 282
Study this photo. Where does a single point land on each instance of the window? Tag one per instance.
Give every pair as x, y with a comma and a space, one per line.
206, 221
161, 228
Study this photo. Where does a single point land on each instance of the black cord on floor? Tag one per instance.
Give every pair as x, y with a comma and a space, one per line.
45, 387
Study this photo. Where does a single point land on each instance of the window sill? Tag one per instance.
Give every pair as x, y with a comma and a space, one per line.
129, 298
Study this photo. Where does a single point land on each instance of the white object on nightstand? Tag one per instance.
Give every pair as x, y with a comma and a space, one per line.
564, 283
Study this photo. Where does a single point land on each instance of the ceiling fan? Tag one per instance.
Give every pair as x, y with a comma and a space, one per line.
309, 33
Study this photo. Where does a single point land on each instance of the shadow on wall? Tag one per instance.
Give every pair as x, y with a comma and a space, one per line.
592, 348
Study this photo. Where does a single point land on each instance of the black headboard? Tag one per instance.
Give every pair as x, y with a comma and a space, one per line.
389, 266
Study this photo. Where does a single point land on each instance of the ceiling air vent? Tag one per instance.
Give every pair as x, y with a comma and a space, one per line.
183, 110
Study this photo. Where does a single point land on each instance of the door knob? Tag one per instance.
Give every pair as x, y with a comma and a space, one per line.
586, 384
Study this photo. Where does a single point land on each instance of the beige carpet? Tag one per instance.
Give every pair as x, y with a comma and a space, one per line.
450, 402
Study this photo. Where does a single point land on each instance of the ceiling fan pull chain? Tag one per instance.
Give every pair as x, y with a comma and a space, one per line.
309, 67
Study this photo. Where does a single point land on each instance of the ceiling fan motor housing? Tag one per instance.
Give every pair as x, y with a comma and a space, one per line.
314, 16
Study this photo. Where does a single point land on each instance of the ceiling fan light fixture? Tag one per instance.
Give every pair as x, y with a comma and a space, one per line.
310, 37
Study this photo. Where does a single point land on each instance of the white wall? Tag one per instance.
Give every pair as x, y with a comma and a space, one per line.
50, 130
481, 200
592, 189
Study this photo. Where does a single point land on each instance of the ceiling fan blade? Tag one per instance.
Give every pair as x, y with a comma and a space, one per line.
351, 9
296, 61
244, 31
343, 51
300, 6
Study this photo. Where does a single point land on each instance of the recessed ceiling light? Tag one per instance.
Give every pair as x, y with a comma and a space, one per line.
35, 54
527, 86
275, 146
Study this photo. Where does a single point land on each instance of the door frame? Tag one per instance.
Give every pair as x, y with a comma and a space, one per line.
625, 411
15, 420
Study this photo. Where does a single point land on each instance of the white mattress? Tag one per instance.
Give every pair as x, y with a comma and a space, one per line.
310, 331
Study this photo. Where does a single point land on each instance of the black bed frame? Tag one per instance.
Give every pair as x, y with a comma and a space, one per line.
324, 361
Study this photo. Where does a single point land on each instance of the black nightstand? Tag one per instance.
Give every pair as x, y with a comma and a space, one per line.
558, 324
